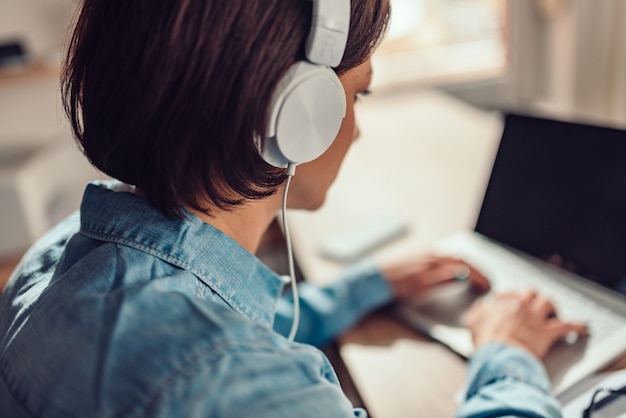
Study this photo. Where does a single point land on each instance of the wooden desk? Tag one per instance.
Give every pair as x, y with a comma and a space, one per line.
425, 157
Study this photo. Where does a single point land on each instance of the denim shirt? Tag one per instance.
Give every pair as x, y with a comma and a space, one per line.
120, 311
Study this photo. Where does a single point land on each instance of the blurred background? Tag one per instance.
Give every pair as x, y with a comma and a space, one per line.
555, 56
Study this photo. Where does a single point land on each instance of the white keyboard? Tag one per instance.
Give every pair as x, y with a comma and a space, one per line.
507, 272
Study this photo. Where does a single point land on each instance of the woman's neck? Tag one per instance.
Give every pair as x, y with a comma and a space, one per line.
247, 223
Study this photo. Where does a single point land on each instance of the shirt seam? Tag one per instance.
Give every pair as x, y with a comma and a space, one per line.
143, 247
226, 294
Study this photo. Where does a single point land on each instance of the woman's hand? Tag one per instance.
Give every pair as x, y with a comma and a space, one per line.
413, 278
522, 319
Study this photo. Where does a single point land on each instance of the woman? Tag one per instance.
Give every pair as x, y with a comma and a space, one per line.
150, 302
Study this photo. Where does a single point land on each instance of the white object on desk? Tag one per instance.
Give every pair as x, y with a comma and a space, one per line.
358, 240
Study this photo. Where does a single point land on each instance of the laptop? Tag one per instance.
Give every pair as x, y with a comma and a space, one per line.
553, 219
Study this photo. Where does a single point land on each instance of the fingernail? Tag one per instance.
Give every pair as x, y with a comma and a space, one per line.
462, 273
571, 337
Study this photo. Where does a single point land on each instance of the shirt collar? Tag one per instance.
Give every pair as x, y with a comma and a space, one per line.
110, 212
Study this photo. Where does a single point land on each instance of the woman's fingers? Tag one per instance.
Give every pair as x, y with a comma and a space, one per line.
525, 319
454, 269
558, 329
544, 308
415, 277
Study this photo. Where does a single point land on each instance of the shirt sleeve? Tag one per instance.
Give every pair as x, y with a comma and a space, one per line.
505, 381
326, 312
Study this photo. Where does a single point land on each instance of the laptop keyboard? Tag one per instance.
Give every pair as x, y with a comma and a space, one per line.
506, 272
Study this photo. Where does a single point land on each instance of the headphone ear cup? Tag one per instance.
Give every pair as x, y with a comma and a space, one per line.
308, 107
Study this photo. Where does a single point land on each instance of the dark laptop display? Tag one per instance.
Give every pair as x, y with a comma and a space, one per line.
564, 184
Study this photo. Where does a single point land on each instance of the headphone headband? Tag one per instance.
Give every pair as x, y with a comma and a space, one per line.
329, 32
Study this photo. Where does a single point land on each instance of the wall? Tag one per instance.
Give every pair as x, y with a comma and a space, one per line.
40, 24
42, 173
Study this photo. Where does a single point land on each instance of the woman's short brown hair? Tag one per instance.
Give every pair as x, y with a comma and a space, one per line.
169, 95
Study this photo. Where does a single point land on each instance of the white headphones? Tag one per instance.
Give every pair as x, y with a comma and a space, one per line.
309, 103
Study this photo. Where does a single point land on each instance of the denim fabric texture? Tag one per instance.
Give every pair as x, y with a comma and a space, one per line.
121, 312
506, 381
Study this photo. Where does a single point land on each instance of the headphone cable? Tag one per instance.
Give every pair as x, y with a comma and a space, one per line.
291, 170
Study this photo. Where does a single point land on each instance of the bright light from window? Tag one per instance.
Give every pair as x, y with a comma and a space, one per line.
438, 41
406, 18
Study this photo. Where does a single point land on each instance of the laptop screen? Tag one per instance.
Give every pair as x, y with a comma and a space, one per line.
558, 192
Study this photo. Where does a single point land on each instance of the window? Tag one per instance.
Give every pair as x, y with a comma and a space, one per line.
443, 41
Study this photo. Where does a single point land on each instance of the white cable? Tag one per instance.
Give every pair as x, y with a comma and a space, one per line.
291, 170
